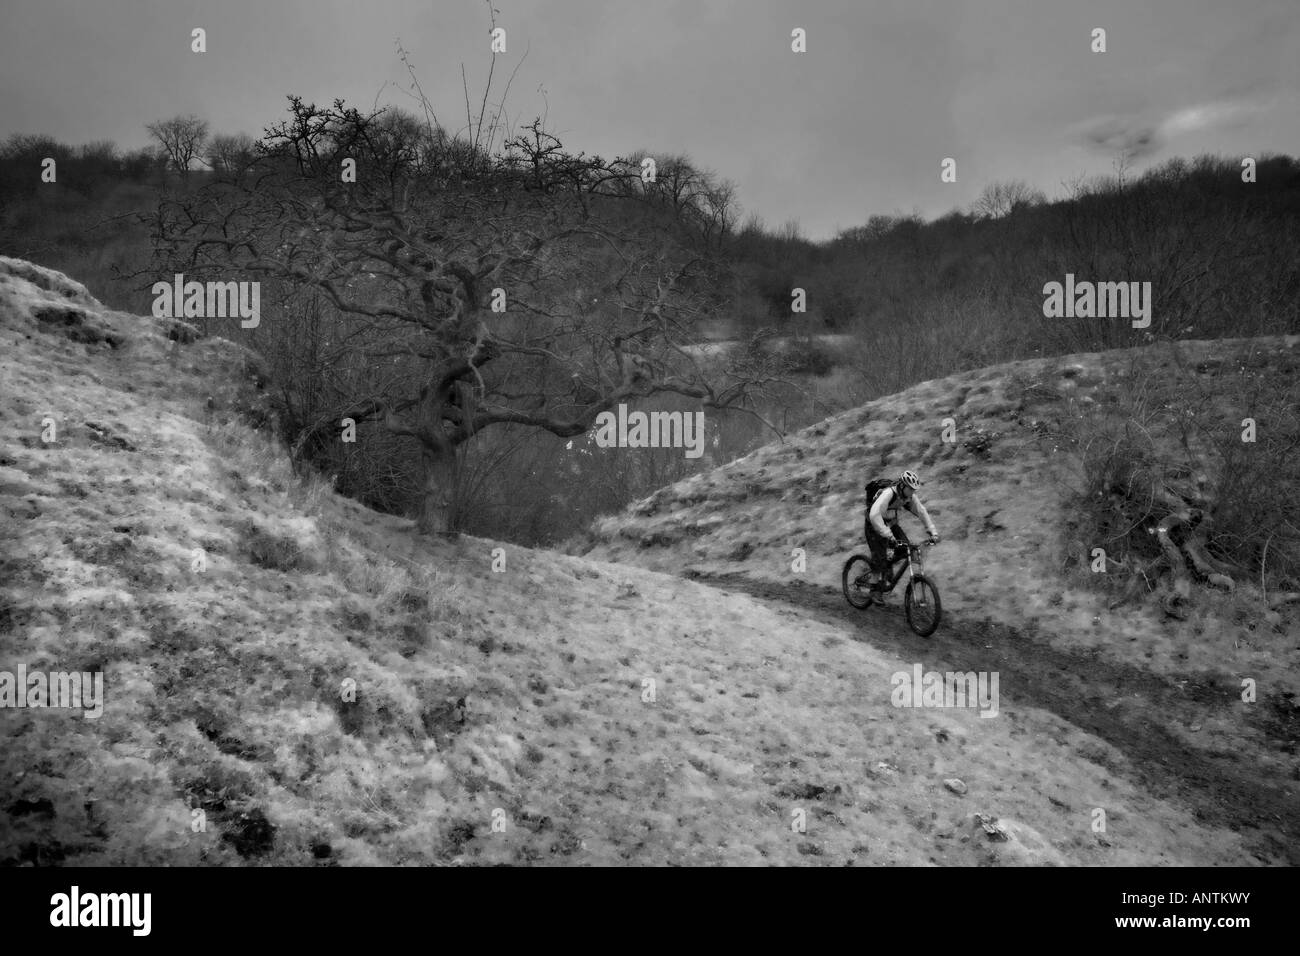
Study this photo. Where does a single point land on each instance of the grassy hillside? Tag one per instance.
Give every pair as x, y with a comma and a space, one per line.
514, 694
1011, 492
1002, 483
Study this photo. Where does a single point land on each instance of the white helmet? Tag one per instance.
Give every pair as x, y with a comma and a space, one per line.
910, 479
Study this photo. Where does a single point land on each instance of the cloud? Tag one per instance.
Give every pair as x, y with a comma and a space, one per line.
1194, 119
1115, 134
1138, 137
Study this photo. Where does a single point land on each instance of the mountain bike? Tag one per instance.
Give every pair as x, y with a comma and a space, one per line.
921, 604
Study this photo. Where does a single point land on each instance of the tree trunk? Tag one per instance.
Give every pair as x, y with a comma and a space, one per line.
439, 490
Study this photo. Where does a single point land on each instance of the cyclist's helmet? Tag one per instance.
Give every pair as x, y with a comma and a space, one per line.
910, 479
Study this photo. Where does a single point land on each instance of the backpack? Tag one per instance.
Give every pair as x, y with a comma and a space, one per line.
874, 487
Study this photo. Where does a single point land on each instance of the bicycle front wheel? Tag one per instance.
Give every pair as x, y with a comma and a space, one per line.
922, 607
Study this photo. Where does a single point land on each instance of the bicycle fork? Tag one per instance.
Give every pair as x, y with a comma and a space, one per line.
918, 594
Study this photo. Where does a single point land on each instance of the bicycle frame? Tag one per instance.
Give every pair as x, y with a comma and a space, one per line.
909, 564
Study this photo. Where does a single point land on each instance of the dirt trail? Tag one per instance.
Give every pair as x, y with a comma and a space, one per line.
1129, 708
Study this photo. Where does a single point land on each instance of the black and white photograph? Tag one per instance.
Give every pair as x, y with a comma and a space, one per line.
720, 434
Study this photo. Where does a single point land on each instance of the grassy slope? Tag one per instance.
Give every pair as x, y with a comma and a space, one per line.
1000, 495
223, 684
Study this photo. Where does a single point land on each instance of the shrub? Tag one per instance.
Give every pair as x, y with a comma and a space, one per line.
807, 356
272, 551
1166, 453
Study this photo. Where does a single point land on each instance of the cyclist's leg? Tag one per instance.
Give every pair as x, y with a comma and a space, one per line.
879, 550
882, 555
901, 535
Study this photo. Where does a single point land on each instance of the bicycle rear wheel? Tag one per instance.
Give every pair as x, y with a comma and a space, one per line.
856, 589
922, 607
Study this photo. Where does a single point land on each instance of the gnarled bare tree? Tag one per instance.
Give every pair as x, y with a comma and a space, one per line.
477, 289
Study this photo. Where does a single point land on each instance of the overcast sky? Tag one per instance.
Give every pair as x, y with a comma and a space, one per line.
857, 125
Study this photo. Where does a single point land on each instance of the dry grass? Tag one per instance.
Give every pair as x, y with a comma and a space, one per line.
333, 689
1009, 495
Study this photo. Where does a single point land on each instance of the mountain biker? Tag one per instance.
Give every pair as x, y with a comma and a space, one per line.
883, 531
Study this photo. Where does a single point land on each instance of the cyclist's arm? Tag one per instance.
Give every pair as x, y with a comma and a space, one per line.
877, 512
924, 515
